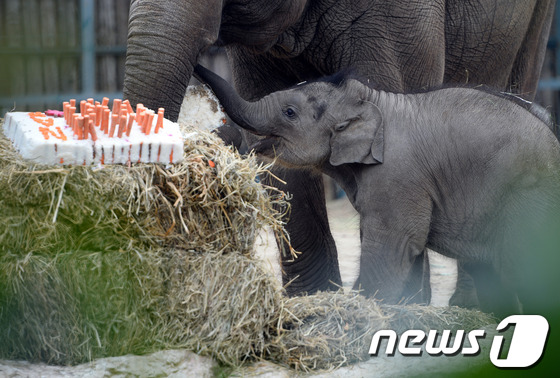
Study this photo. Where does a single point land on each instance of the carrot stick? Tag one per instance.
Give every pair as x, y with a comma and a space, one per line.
98, 114
65, 107
92, 130
75, 123
117, 106
105, 102
148, 123
114, 123
83, 107
93, 116
130, 122
127, 106
90, 101
105, 121
122, 126
80, 127
85, 126
159, 123
73, 102
140, 118
71, 111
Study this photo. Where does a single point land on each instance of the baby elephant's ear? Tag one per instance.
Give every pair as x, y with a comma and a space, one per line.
360, 139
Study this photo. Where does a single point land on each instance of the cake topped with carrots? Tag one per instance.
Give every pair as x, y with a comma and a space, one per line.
91, 133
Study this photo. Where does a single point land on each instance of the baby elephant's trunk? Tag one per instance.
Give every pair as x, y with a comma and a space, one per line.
246, 114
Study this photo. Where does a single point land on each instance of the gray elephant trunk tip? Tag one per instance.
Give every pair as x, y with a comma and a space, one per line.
238, 109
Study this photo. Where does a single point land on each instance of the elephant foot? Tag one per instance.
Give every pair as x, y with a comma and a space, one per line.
480, 286
465, 299
417, 288
465, 291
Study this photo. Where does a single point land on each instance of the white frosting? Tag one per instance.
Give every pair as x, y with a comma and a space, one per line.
201, 109
27, 135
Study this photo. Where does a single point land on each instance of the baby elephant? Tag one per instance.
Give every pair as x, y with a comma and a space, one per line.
469, 174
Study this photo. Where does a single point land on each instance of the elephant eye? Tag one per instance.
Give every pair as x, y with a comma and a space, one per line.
289, 112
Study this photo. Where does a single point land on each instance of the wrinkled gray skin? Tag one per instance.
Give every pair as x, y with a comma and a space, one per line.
469, 174
273, 45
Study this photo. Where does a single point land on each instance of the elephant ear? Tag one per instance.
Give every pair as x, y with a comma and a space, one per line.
359, 139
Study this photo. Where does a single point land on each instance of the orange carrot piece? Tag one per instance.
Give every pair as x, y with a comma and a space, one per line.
114, 123
83, 107
85, 129
75, 125
105, 101
149, 122
105, 121
98, 114
65, 107
80, 127
122, 126
129, 125
90, 101
126, 105
117, 106
140, 118
93, 116
73, 102
92, 130
71, 112
159, 123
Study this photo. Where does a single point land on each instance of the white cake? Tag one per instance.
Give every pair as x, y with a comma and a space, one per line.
50, 140
201, 109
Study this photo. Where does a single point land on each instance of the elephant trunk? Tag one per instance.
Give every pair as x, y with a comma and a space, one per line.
248, 115
165, 38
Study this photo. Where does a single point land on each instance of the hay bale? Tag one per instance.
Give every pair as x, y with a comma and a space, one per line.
326, 330
218, 306
329, 330
72, 307
425, 318
86, 253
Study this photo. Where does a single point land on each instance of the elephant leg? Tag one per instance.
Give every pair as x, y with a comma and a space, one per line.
493, 296
417, 287
316, 266
465, 290
393, 243
527, 67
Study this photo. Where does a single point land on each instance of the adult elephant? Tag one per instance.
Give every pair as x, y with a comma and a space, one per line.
273, 44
